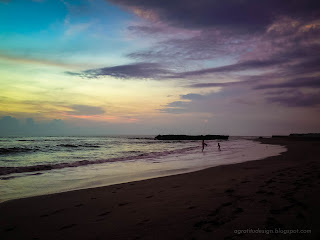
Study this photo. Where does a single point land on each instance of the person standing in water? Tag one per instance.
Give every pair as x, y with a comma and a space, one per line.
203, 144
219, 146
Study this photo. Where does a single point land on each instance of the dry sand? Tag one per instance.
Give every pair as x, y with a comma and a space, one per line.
278, 192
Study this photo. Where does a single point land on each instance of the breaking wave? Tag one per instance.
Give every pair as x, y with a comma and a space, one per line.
46, 167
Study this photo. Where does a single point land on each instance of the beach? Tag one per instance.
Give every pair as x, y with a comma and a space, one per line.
279, 193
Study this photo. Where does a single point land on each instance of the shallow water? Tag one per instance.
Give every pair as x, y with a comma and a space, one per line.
86, 162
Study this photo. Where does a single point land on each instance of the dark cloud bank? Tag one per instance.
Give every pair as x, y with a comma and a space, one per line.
10, 126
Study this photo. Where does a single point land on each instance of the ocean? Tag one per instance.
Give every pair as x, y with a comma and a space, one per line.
31, 166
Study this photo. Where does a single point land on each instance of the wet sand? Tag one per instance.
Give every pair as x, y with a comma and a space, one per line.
279, 193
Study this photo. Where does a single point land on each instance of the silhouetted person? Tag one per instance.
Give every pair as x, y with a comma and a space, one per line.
219, 146
203, 144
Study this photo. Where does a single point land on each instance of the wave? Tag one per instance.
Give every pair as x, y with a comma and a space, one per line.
13, 150
68, 145
143, 138
46, 167
17, 150
78, 145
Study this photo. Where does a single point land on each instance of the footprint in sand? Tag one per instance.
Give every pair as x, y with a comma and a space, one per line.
281, 210
58, 211
9, 229
104, 214
123, 204
143, 221
55, 212
238, 210
229, 191
269, 181
272, 223
245, 181
261, 192
68, 226
226, 204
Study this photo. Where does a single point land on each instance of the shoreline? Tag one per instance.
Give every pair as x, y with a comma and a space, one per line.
280, 191
179, 161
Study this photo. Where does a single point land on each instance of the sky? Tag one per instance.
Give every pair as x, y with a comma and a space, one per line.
106, 67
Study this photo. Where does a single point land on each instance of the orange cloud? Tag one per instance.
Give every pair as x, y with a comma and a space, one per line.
146, 14
89, 117
101, 118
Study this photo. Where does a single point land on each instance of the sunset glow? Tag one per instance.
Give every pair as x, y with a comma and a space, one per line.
164, 67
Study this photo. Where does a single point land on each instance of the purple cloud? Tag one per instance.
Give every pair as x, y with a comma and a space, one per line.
240, 66
175, 107
193, 45
136, 70
220, 84
252, 45
191, 96
296, 99
244, 16
307, 82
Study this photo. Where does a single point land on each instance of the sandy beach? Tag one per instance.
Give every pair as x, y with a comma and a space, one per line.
279, 193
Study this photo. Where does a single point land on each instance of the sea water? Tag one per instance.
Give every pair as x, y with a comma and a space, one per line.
31, 166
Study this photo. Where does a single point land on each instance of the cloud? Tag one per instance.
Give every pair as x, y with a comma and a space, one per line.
307, 82
220, 84
86, 110
145, 29
240, 66
74, 29
136, 70
155, 71
240, 16
248, 45
210, 103
8, 123
13, 126
295, 98
288, 49
192, 45
26, 60
307, 66
191, 96
175, 107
